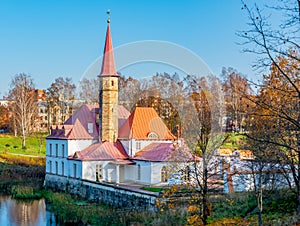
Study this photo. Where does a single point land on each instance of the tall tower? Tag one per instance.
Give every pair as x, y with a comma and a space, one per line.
108, 98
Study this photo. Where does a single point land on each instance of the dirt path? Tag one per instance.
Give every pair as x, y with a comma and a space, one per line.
32, 156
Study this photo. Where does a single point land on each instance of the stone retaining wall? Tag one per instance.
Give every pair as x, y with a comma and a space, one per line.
105, 193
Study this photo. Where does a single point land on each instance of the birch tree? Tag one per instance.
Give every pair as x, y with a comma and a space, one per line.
89, 91
24, 104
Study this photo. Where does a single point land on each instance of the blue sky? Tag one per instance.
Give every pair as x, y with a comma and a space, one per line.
48, 39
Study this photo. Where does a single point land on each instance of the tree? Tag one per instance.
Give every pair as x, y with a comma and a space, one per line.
24, 106
264, 168
89, 91
279, 96
202, 129
277, 113
130, 90
197, 106
60, 97
236, 87
166, 96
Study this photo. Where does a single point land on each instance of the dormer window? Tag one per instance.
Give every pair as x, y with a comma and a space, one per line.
90, 127
152, 135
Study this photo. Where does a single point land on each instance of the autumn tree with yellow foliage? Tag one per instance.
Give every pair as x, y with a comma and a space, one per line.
277, 105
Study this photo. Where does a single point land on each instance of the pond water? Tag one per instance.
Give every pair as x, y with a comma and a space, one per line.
20, 213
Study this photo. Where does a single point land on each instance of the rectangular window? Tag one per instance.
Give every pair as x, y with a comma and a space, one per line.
56, 150
99, 175
63, 150
138, 146
56, 167
50, 147
75, 170
62, 168
50, 166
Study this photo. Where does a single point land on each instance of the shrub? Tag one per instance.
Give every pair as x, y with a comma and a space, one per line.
23, 160
24, 192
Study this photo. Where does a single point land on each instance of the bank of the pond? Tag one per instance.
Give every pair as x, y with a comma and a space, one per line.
21, 179
26, 182
74, 209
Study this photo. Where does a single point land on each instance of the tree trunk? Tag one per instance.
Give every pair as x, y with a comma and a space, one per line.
23, 141
204, 193
298, 181
259, 200
298, 149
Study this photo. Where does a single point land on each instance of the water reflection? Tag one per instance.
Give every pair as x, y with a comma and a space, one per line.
24, 213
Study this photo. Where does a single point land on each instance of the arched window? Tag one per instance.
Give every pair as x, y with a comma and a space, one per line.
112, 83
99, 175
164, 174
62, 168
139, 172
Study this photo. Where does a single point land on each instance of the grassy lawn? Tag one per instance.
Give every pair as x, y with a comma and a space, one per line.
153, 189
12, 144
235, 141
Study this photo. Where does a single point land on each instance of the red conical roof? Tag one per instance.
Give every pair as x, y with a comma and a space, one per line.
108, 62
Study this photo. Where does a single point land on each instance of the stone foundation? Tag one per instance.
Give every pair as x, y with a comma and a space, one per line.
105, 193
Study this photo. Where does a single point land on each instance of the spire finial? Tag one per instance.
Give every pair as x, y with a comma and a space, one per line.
108, 15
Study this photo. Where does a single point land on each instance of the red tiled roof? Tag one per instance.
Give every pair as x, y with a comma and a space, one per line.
108, 62
101, 151
123, 115
76, 127
159, 152
142, 122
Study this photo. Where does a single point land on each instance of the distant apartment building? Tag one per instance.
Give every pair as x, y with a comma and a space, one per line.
4, 101
5, 115
50, 112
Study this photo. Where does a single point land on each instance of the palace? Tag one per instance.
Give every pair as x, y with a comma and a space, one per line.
107, 144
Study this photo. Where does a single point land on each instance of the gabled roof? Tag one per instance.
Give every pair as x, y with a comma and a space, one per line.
77, 126
108, 62
144, 123
123, 115
159, 152
101, 151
